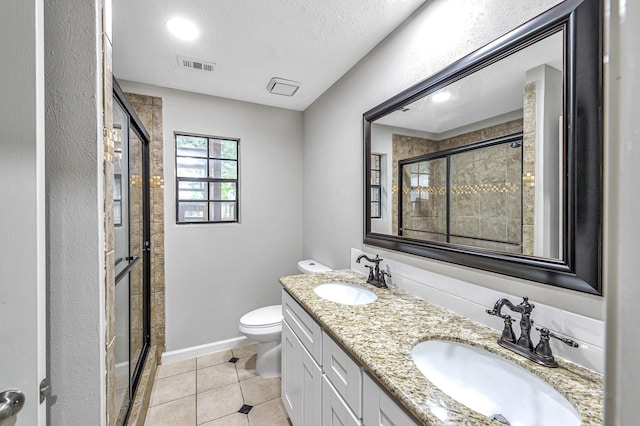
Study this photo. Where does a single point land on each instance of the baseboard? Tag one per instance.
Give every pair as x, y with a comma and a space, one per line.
195, 351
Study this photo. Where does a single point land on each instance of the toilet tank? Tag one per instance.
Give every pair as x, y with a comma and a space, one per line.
310, 266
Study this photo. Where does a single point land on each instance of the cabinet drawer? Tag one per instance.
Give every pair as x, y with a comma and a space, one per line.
305, 328
343, 372
380, 409
335, 411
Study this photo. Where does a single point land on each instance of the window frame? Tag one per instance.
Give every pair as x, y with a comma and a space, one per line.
378, 187
207, 180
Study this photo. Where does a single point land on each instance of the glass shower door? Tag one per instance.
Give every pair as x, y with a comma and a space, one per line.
131, 241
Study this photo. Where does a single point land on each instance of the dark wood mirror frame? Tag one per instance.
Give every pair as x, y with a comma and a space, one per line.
581, 265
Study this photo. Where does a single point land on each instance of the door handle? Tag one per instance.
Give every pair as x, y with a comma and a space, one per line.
11, 402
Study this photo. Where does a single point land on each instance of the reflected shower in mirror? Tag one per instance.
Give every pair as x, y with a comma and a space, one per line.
478, 162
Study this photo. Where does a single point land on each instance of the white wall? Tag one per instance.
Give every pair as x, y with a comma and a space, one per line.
215, 273
622, 203
75, 212
436, 35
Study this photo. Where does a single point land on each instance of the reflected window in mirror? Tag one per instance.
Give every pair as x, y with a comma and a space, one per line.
376, 186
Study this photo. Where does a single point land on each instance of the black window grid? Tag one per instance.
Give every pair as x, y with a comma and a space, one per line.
208, 201
376, 202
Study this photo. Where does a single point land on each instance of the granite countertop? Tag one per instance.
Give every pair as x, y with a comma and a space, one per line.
381, 335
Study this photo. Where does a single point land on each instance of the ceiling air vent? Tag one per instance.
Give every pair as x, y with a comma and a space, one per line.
280, 86
196, 64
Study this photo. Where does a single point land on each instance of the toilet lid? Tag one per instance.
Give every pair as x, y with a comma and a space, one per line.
263, 317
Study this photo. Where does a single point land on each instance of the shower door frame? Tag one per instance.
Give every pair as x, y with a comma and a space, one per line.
136, 125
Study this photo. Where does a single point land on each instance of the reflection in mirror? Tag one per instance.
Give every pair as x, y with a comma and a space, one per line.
495, 162
478, 162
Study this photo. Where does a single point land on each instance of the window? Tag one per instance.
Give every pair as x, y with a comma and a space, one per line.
376, 188
206, 179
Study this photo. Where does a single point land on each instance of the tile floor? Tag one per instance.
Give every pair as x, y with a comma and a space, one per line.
215, 390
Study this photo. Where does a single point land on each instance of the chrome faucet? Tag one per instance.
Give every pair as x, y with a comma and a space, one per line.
376, 276
541, 354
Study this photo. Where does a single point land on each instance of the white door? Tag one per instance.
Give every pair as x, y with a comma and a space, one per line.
22, 204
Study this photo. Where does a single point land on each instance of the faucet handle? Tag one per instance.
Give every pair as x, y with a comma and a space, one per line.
383, 282
370, 278
544, 332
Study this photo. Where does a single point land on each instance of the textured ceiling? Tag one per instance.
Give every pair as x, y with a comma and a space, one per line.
310, 41
491, 92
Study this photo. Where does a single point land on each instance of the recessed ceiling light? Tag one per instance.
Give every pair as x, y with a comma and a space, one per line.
183, 29
441, 96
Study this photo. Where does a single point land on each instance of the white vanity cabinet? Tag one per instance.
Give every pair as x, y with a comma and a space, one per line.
380, 409
301, 359
322, 384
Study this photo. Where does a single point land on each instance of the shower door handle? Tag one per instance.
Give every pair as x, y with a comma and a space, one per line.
11, 402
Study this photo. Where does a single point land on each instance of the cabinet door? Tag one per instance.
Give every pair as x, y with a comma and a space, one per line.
301, 381
311, 391
380, 409
291, 377
335, 411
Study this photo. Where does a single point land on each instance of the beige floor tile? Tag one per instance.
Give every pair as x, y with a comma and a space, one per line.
215, 358
171, 369
216, 376
235, 419
271, 413
181, 412
246, 367
244, 351
218, 402
173, 387
258, 390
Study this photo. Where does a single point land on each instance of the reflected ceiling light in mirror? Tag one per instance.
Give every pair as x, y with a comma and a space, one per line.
183, 29
441, 97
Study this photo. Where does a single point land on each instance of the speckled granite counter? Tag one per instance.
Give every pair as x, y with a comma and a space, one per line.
381, 335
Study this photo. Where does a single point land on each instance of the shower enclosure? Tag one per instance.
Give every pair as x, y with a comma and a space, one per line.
132, 250
470, 195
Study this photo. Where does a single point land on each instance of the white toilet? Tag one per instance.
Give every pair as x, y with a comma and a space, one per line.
264, 325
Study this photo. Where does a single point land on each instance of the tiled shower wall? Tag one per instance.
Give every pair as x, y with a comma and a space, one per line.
528, 168
108, 180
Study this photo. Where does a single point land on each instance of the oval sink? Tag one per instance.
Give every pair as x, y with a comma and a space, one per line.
492, 385
345, 293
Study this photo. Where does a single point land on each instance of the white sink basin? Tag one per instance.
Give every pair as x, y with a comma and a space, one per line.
345, 293
492, 385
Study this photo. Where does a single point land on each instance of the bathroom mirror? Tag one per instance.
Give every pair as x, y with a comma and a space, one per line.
495, 161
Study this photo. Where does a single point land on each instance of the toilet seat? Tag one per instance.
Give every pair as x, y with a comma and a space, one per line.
267, 317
